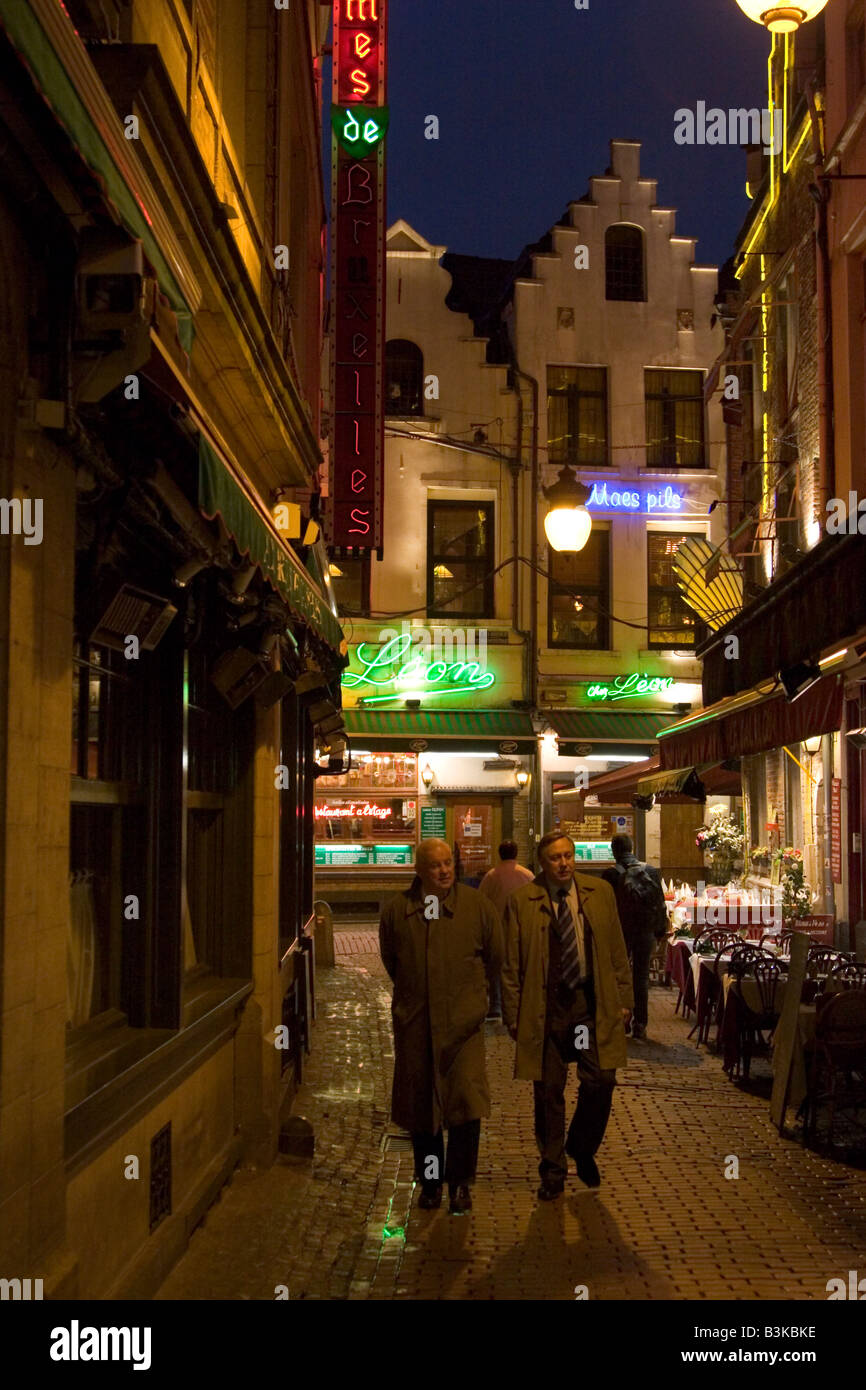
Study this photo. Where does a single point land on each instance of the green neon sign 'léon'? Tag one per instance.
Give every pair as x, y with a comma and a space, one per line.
448, 677
627, 687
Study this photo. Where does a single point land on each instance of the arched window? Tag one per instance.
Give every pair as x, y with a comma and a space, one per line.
624, 263
404, 378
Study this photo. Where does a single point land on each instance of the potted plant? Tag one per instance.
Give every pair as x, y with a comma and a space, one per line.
761, 857
796, 893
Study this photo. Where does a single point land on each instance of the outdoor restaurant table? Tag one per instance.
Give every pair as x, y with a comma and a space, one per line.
746, 991
677, 966
706, 975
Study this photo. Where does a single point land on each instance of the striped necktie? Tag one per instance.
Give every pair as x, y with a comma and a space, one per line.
571, 973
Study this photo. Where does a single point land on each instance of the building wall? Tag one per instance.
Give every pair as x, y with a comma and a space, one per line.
671, 329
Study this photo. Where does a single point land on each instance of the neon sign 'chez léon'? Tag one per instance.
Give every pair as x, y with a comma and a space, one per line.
627, 687
414, 673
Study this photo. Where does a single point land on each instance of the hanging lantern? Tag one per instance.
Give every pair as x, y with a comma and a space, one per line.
568, 523
781, 19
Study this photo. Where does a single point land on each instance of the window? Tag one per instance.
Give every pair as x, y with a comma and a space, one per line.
350, 584
675, 419
575, 577
670, 621
404, 378
624, 263
577, 416
460, 559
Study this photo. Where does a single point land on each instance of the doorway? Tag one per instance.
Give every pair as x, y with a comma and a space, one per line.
475, 832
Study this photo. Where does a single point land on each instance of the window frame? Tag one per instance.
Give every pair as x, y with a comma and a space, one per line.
601, 592
628, 298
363, 560
673, 591
669, 444
488, 561
572, 455
415, 412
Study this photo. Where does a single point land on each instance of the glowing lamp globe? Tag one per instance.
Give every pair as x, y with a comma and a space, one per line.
568, 523
568, 528
781, 19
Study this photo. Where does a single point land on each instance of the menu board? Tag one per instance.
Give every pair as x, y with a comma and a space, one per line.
592, 851
332, 856
432, 822
395, 854
597, 827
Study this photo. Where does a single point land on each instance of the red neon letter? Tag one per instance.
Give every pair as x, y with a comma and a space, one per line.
363, 187
360, 85
357, 388
361, 477
363, 6
363, 44
357, 515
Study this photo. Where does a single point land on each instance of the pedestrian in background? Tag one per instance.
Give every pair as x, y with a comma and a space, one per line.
566, 993
438, 942
498, 884
640, 902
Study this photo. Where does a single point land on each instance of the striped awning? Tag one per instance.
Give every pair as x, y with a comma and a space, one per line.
591, 726
503, 731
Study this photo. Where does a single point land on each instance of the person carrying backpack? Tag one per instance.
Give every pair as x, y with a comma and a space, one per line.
640, 902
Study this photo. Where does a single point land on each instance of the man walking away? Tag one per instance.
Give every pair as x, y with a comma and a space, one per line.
498, 884
438, 941
640, 902
566, 992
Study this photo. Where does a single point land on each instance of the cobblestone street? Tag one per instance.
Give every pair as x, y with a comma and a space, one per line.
666, 1224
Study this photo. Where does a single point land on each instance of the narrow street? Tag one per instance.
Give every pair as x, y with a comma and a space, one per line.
666, 1223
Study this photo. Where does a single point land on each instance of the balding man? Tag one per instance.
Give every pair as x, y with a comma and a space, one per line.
439, 941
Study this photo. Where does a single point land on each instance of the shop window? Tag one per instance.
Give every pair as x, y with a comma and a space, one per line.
577, 416
579, 595
404, 378
675, 419
670, 620
350, 584
460, 559
624, 263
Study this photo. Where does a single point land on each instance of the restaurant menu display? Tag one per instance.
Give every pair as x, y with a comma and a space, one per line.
592, 852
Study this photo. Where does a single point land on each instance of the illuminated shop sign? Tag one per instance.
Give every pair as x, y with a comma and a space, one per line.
386, 669
623, 499
354, 810
359, 120
628, 687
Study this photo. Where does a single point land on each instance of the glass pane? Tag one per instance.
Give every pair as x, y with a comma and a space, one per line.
569, 628
582, 567
459, 531
449, 585
662, 553
349, 585
672, 623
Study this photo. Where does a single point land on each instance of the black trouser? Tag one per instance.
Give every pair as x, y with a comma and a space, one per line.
594, 1097
462, 1161
640, 949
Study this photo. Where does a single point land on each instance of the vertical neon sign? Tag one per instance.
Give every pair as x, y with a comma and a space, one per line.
359, 120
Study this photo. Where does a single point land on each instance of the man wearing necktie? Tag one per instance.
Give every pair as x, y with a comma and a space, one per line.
566, 993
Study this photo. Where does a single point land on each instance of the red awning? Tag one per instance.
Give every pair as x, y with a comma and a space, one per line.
618, 787
734, 728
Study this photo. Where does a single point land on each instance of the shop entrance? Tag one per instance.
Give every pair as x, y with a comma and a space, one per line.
474, 833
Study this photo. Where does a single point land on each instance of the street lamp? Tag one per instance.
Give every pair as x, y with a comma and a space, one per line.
812, 744
781, 19
568, 523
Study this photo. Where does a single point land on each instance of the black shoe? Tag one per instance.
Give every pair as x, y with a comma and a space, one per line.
550, 1189
431, 1196
587, 1170
461, 1199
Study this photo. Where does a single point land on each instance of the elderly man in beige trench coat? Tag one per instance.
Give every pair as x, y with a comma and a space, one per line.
566, 993
439, 941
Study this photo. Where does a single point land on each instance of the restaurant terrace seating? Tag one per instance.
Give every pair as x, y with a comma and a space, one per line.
850, 974
822, 959
839, 1048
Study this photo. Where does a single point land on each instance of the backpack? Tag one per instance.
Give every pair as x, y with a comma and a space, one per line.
640, 901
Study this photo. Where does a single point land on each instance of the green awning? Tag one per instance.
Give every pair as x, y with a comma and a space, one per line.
495, 730
220, 493
587, 725
32, 43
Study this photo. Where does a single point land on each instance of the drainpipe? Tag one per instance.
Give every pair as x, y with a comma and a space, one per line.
538, 797
827, 839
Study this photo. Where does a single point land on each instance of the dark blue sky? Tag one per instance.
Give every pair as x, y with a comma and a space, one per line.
528, 94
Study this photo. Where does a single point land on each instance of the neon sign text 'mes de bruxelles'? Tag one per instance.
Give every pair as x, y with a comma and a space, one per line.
429, 678
627, 687
359, 121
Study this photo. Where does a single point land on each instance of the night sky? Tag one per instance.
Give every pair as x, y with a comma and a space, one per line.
528, 95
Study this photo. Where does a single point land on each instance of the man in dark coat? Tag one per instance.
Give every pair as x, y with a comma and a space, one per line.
438, 941
643, 919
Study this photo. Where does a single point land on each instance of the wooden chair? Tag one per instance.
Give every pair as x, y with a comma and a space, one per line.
709, 991
778, 939
766, 974
839, 1047
822, 959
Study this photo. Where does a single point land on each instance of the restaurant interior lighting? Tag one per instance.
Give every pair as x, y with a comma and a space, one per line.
568, 523
781, 19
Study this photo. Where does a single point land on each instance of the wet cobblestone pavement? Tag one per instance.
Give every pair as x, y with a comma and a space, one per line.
666, 1223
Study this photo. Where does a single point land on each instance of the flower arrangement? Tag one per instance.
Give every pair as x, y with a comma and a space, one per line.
796, 893
721, 836
790, 858
761, 856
